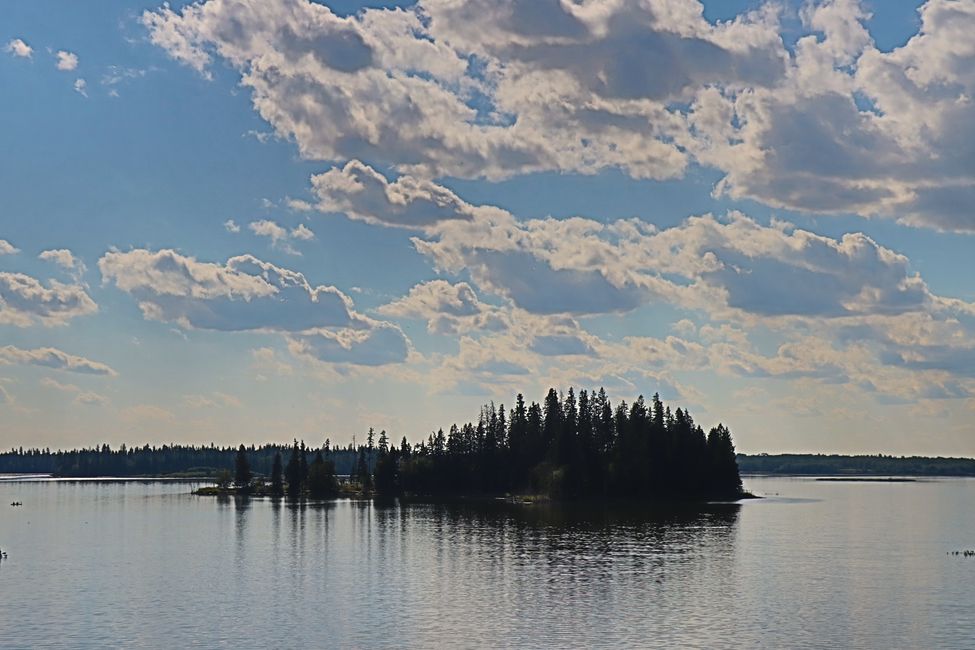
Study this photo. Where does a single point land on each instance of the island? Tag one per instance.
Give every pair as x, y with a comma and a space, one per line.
570, 446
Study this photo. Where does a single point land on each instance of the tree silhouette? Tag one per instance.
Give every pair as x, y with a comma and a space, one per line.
321, 478
277, 478
242, 470
292, 473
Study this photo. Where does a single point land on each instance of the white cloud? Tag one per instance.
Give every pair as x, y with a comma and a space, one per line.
47, 382
470, 88
231, 226
81, 87
115, 76
66, 260
244, 293
858, 130
302, 232
266, 361
447, 308
535, 86
270, 229
360, 192
380, 345
19, 48
53, 358
89, 398
62, 257
6, 248
582, 266
25, 301
280, 236
67, 61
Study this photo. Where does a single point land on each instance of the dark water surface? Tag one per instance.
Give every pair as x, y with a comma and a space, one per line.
816, 564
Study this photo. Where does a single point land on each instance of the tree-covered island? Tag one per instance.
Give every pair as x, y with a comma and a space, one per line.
571, 446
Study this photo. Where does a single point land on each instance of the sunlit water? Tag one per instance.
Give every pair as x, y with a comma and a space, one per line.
815, 564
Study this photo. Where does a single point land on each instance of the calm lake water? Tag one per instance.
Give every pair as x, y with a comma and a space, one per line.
815, 564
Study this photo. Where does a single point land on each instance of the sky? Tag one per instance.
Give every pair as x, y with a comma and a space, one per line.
253, 220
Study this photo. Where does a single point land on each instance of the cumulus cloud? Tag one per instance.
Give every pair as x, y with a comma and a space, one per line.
19, 48
582, 266
81, 87
535, 86
231, 226
380, 345
447, 308
67, 61
831, 125
360, 192
6, 248
280, 236
302, 232
60, 256
25, 301
66, 260
53, 358
859, 130
244, 293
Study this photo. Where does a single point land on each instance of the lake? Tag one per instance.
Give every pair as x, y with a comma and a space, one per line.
99, 564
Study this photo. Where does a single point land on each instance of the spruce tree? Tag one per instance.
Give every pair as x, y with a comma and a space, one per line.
321, 478
242, 470
277, 479
292, 473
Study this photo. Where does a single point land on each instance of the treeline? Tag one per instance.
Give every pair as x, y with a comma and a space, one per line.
297, 479
835, 464
569, 446
151, 460
566, 447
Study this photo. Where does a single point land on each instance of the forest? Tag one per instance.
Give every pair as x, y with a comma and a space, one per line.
568, 447
861, 465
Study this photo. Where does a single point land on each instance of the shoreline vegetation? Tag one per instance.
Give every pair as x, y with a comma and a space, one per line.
569, 447
837, 465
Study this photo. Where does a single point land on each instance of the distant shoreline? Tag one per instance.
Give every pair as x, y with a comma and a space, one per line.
837, 465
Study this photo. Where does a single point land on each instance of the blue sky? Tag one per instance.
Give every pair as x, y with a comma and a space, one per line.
249, 221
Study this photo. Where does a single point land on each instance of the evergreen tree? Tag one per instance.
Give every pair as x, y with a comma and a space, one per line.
277, 480
321, 478
242, 470
292, 473
302, 463
362, 471
387, 479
